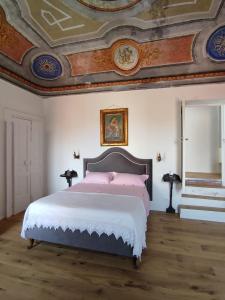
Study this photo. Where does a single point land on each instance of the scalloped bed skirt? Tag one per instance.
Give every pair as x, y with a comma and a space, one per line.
83, 240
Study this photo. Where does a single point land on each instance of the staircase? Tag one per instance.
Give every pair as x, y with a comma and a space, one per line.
201, 207
203, 203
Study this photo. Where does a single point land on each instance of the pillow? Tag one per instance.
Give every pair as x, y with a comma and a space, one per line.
129, 179
98, 177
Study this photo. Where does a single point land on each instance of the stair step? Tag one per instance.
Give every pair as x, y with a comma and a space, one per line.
202, 175
204, 179
206, 208
203, 213
202, 184
203, 197
217, 192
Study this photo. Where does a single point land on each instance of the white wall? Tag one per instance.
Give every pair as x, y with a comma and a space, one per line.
202, 129
14, 98
154, 126
73, 122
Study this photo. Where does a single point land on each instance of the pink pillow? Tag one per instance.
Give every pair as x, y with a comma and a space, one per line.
129, 179
98, 177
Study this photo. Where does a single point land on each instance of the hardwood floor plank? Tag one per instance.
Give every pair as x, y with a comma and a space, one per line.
184, 260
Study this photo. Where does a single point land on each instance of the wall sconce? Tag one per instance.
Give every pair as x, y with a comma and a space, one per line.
158, 157
76, 155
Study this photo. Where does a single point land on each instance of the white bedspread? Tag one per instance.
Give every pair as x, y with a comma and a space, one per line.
121, 215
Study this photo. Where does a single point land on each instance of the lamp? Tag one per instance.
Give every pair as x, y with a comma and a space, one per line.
76, 155
171, 178
158, 157
69, 175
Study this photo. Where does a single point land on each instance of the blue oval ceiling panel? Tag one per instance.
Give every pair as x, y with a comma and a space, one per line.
46, 67
216, 44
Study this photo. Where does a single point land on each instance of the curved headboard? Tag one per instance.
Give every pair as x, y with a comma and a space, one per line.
120, 160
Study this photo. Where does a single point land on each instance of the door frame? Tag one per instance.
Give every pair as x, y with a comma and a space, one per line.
223, 143
28, 142
10, 115
202, 102
183, 147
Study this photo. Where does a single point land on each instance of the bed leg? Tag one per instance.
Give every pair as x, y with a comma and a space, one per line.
136, 262
31, 244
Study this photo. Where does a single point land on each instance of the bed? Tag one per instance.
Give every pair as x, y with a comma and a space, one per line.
112, 160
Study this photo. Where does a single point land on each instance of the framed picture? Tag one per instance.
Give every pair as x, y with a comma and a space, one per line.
114, 127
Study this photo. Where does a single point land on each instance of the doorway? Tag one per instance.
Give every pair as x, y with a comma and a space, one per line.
24, 160
21, 164
203, 144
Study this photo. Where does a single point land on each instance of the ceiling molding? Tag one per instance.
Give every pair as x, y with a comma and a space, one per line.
55, 47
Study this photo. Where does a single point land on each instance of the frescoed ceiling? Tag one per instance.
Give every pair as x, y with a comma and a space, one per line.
53, 47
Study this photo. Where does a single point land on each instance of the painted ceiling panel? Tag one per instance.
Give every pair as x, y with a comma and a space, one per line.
118, 57
58, 21
12, 43
174, 8
56, 47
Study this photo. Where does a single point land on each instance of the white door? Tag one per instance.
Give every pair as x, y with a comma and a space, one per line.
223, 142
21, 163
36, 160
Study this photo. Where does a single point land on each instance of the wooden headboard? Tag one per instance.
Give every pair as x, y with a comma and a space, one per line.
120, 160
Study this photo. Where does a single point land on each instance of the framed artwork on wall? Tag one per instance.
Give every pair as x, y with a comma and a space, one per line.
114, 127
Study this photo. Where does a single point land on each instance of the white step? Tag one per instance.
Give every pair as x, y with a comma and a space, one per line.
202, 213
203, 196
204, 191
203, 200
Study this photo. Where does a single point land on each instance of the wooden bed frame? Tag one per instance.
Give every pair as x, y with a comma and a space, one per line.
114, 159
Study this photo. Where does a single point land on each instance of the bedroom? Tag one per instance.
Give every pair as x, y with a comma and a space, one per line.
72, 122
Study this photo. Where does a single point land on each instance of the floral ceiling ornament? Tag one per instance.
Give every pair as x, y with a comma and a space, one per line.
126, 57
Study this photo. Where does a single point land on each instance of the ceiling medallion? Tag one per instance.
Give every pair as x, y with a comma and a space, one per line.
109, 5
46, 67
126, 56
216, 45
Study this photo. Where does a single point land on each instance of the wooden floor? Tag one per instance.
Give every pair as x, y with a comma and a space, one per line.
185, 260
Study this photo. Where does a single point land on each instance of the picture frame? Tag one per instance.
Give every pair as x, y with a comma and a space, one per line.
114, 127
